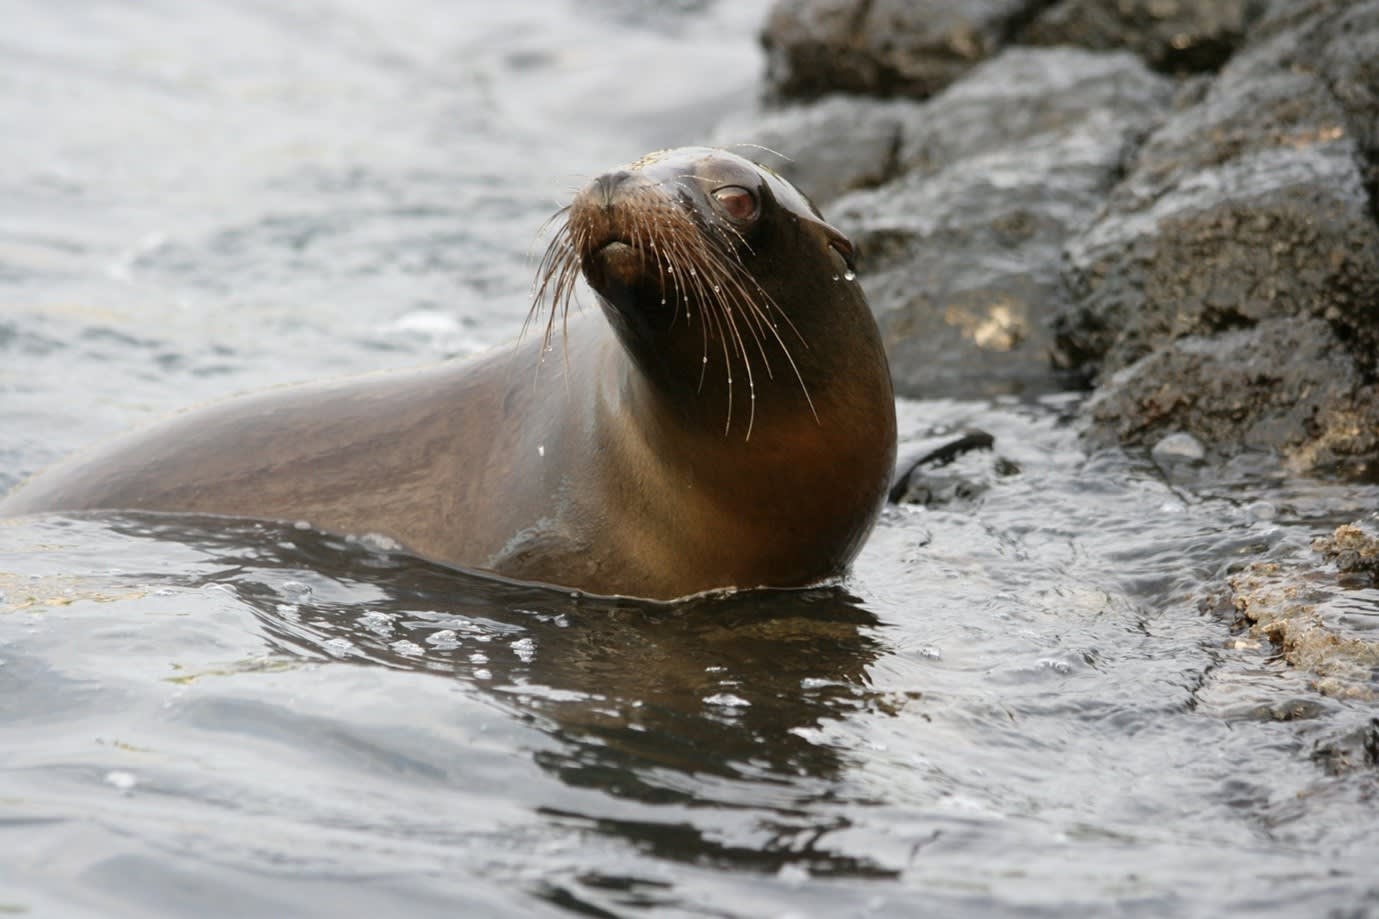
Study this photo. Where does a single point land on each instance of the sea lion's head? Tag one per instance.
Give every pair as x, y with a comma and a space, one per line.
719, 277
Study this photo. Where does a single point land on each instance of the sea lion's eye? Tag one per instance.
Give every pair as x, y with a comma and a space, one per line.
736, 201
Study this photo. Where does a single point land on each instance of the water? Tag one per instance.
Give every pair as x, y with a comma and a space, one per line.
1033, 701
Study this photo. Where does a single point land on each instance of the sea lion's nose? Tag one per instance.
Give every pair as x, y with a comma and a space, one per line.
607, 184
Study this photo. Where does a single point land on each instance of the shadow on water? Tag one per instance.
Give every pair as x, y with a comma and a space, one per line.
713, 702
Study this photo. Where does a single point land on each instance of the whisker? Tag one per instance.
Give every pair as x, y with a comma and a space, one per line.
728, 147
700, 269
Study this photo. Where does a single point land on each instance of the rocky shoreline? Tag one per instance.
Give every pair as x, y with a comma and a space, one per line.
1171, 203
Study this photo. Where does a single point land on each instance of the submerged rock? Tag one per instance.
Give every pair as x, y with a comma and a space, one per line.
950, 470
1353, 548
882, 47
1308, 612
1177, 36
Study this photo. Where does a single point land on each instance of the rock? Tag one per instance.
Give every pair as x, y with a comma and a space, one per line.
1285, 385
1178, 447
1235, 270
1352, 750
1245, 207
1026, 93
1225, 268
1175, 36
826, 148
1337, 41
916, 471
882, 47
1302, 611
960, 255
1353, 548
956, 472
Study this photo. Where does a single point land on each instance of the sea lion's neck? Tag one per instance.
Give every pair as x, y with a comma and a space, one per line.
725, 408
705, 387
801, 493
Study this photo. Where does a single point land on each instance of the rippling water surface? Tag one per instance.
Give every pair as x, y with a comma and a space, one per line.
1031, 701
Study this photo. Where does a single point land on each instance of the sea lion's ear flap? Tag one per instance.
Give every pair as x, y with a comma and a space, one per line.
843, 246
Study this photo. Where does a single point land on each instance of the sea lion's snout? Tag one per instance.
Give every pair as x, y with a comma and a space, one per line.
610, 209
613, 217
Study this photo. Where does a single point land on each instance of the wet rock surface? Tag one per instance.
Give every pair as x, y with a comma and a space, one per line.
961, 205
882, 47
1230, 286
1336, 41
1353, 548
948, 470
1171, 35
1245, 207
805, 142
961, 251
1285, 386
1204, 249
1307, 608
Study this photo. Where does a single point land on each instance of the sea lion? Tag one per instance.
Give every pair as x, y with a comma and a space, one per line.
729, 422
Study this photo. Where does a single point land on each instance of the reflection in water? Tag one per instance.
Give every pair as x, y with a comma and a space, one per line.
1044, 720
715, 702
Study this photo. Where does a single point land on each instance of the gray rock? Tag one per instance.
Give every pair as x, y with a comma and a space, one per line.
1025, 93
1177, 36
836, 145
1245, 207
882, 47
1179, 447
1285, 386
1353, 547
1235, 270
960, 256
1336, 41
958, 472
